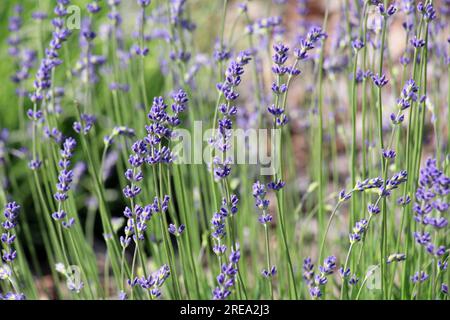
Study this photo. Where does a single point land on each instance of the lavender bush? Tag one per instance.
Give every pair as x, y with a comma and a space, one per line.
194, 149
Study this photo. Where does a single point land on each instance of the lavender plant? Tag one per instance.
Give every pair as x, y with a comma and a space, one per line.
225, 150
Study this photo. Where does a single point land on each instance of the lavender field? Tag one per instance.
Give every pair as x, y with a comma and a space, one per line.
225, 150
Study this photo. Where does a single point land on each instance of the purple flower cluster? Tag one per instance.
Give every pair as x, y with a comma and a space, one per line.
221, 52
138, 217
14, 26
421, 276
269, 273
427, 10
345, 274
417, 43
280, 70
136, 160
444, 288
25, 58
86, 124
143, 3
358, 230
434, 186
389, 154
259, 193
387, 12
316, 281
176, 231
160, 127
137, 49
367, 184
393, 183
218, 222
12, 296
408, 95
65, 179
152, 283
380, 81
264, 25
53, 134
93, 7
344, 196
222, 139
306, 44
227, 277
114, 15
11, 215
150, 149
218, 229
51, 59
88, 62
180, 21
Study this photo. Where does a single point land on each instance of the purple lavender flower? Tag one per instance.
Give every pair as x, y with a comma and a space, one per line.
389, 154
87, 121
380, 81
357, 44
228, 208
138, 218
176, 231
427, 10
307, 44
417, 43
65, 179
143, 3
344, 273
269, 273
434, 186
88, 63
178, 17
315, 292
329, 265
24, 58
39, 15
444, 288
369, 184
51, 59
421, 276
12, 296
259, 193
358, 230
276, 185
353, 281
386, 12
11, 214
344, 196
160, 127
227, 277
373, 209
408, 95
154, 281
221, 53
221, 141
422, 238
93, 7
308, 271
394, 182
403, 201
